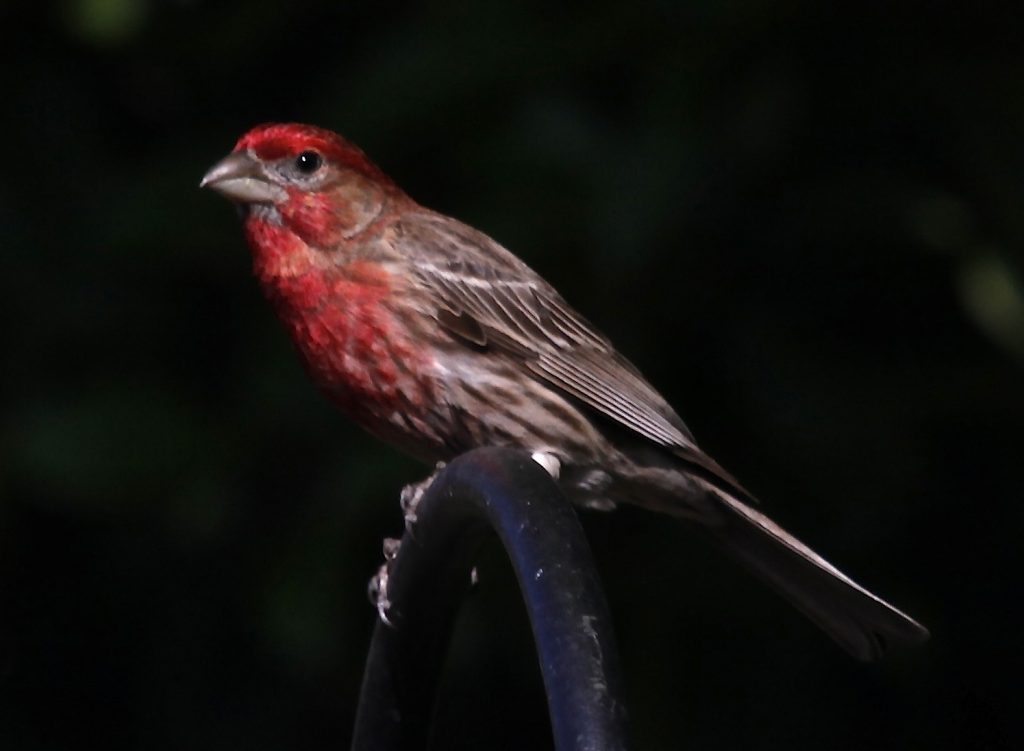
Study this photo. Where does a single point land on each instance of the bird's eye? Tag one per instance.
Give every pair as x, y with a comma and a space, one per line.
308, 162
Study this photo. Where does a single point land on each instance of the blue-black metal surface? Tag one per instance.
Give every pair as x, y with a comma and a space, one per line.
503, 490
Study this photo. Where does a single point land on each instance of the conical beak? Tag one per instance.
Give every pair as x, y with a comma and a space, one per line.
238, 178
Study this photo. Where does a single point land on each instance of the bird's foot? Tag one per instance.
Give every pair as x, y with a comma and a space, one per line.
377, 590
412, 494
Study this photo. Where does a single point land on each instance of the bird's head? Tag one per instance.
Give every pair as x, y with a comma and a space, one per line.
305, 181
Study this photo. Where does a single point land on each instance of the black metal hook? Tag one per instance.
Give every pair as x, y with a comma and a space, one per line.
504, 490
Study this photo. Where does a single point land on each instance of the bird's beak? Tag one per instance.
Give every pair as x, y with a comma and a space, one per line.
238, 177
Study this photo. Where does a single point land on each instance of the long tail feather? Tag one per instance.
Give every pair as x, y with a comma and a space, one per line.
861, 622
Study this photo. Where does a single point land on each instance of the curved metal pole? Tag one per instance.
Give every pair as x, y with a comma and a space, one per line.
505, 490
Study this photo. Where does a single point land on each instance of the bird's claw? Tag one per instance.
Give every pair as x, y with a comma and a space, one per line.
549, 462
390, 548
377, 590
412, 494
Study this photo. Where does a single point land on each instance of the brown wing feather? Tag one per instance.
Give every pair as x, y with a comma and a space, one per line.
487, 295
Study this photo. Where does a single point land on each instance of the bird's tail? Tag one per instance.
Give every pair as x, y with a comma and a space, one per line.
862, 623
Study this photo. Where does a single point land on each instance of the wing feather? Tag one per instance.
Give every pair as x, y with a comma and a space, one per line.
476, 281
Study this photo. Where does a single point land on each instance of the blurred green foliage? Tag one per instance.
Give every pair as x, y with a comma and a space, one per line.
802, 221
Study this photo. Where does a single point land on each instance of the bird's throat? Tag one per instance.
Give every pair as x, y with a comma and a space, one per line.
347, 333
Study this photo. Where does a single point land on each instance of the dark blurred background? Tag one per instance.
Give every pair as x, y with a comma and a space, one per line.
803, 223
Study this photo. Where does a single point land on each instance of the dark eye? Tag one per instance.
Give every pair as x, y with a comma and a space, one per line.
308, 162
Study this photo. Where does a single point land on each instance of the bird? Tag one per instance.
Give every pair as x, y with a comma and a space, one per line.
433, 337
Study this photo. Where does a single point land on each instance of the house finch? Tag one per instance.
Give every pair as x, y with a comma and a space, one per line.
437, 339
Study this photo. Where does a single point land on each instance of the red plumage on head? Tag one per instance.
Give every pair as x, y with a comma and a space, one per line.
271, 141
308, 256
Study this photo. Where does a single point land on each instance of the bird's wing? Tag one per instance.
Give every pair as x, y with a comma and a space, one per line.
530, 321
487, 297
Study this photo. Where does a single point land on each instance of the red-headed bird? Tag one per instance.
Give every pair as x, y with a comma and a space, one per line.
437, 339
